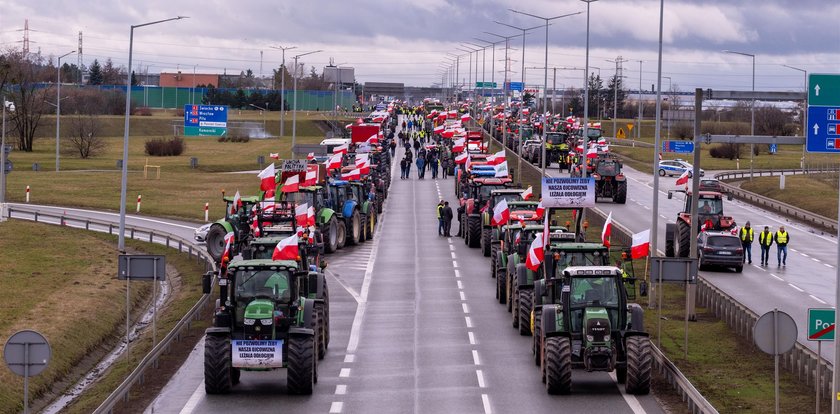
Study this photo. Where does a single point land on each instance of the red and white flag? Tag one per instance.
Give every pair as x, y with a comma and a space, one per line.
683, 178
292, 184
287, 249
536, 253
334, 162
274, 155
458, 145
310, 216
227, 254
310, 156
641, 244
301, 214
364, 168
237, 202
496, 158
461, 158
540, 209
267, 204
373, 140
341, 149
267, 179
465, 117
605, 232
311, 176
438, 129
501, 214
353, 175
592, 152
528, 193
361, 159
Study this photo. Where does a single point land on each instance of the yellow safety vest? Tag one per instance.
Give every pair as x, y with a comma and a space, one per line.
746, 234
781, 237
765, 239
439, 208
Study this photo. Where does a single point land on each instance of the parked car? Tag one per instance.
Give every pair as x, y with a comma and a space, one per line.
720, 249
201, 233
676, 168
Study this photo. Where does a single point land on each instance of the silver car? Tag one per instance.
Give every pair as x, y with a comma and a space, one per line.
201, 233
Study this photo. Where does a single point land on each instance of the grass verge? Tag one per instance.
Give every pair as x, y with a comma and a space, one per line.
816, 193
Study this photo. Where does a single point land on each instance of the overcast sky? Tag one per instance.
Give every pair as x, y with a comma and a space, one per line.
406, 41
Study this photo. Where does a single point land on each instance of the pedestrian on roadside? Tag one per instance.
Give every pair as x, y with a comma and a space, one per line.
403, 168
765, 240
403, 124
393, 147
447, 219
782, 238
416, 147
747, 236
439, 212
444, 167
434, 168
421, 170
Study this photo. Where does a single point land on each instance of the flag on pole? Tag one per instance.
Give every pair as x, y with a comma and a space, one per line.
292, 184
274, 155
310, 216
528, 193
458, 145
497, 158
465, 117
535, 253
301, 214
605, 232
501, 214
540, 209
683, 178
353, 175
310, 156
287, 249
267, 178
311, 176
226, 255
341, 149
641, 244
334, 162
237, 202
461, 158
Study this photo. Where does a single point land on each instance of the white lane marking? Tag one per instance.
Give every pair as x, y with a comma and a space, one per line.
449, 239
476, 361
346, 287
793, 250
480, 376
349, 358
795, 287
759, 268
817, 299
460, 285
340, 389
815, 259
827, 265
646, 207
345, 372
457, 273
469, 321
804, 254
356, 328
485, 400
195, 398
451, 248
663, 216
631, 400
777, 277
463, 297
336, 407
465, 308
472, 337
453, 255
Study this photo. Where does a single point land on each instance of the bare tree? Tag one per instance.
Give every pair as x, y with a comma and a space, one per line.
84, 135
770, 120
30, 101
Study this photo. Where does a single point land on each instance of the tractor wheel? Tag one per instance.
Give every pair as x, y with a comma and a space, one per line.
485, 241
525, 301
474, 229
341, 235
669, 248
320, 330
558, 365
371, 224
537, 335
501, 285
683, 238
355, 228
639, 363
331, 234
620, 195
301, 365
215, 241
326, 314
514, 303
217, 365
363, 232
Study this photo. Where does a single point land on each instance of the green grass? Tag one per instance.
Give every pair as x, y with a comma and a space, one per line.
813, 192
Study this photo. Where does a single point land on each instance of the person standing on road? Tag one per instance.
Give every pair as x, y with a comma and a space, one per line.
403, 168
421, 167
444, 167
747, 236
765, 240
447, 219
439, 211
782, 238
416, 147
393, 146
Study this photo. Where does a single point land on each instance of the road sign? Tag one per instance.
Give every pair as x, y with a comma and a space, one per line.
629, 127
823, 113
7, 149
27, 353
821, 324
205, 119
568, 192
681, 147
141, 267
516, 86
485, 84
774, 148
674, 269
9, 166
620, 134
772, 329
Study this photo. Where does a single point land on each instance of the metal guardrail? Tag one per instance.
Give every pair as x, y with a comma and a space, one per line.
789, 210
121, 393
696, 402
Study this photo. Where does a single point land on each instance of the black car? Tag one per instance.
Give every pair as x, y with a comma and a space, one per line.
710, 184
720, 249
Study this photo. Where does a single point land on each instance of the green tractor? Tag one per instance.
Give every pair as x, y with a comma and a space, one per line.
590, 325
510, 195
328, 223
556, 149
237, 220
366, 194
264, 320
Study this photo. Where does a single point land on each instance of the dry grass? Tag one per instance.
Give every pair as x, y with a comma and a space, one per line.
814, 192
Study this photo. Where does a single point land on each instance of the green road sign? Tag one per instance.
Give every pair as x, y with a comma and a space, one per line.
192, 131
485, 84
824, 89
820, 324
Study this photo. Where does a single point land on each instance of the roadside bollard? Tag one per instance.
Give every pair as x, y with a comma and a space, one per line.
139, 196
27, 194
206, 212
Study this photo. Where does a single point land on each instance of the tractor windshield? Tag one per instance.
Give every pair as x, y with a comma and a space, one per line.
508, 198
298, 198
484, 191
710, 206
594, 133
580, 259
608, 168
260, 283
594, 291
554, 139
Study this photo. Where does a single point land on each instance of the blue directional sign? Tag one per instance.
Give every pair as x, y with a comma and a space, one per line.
681, 147
205, 119
515, 86
823, 133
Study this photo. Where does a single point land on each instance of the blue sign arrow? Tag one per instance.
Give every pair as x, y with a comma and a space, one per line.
823, 131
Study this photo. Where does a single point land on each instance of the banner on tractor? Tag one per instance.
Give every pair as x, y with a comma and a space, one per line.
568, 192
257, 354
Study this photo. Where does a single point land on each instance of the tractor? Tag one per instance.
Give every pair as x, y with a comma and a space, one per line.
711, 217
609, 180
591, 325
237, 220
556, 148
348, 208
510, 195
475, 197
329, 224
264, 320
366, 196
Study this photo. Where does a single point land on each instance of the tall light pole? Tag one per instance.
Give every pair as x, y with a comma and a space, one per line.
752, 106
586, 95
492, 64
483, 70
670, 106
470, 50
654, 219
11, 107
283, 87
618, 61
58, 110
294, 101
804, 110
639, 129
469, 71
124, 178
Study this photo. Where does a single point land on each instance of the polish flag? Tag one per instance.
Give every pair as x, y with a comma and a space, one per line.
442, 117
301, 212
373, 140
274, 155
540, 209
448, 133
535, 253
501, 214
683, 179
465, 117
287, 249
255, 227
267, 204
518, 237
641, 244
226, 256
311, 176
438, 129
267, 179
458, 145
334, 162
354, 175
592, 152
364, 168
605, 232
501, 170
496, 158
292, 184
468, 163
310, 216
461, 158
528, 193
237, 202
361, 159
341, 149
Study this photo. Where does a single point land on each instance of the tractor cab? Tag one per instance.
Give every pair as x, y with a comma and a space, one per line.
237, 220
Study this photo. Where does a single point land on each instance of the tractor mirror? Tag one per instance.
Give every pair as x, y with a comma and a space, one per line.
670, 195
207, 283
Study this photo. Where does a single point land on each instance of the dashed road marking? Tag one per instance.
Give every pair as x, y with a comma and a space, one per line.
340, 389
469, 321
455, 264
463, 296
793, 250
815, 259
776, 277
345, 372
759, 268
476, 360
804, 254
453, 255
336, 407
451, 248
465, 308
480, 376
485, 400
817, 299
827, 265
795, 287
349, 358
460, 285
472, 337
457, 274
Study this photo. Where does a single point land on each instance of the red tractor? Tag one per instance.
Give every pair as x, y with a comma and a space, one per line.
475, 195
711, 217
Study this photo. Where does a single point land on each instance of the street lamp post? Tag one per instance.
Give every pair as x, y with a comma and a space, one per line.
654, 231
294, 101
752, 106
670, 106
618, 61
283, 87
58, 111
124, 178
11, 107
804, 111
586, 95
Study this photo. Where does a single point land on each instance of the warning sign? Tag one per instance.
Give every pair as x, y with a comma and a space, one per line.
568, 192
620, 134
629, 127
257, 354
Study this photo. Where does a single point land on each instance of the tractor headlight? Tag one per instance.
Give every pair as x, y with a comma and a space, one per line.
266, 321
590, 338
606, 338
249, 321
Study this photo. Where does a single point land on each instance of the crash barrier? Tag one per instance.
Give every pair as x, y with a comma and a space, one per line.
200, 311
697, 404
767, 203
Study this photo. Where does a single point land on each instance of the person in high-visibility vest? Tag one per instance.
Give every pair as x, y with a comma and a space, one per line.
746, 235
765, 240
782, 238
